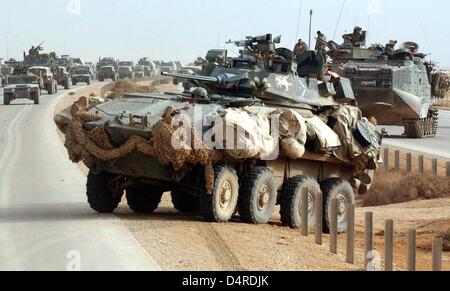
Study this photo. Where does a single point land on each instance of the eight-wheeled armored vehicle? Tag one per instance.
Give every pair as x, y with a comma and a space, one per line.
244, 140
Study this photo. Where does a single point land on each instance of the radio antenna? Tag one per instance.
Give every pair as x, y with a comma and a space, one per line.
339, 19
298, 20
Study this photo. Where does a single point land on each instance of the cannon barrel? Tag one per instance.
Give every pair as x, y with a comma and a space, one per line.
207, 79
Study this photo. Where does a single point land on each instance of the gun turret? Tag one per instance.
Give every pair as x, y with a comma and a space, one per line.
258, 44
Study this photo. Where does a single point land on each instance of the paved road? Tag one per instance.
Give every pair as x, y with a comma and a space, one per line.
45, 222
438, 146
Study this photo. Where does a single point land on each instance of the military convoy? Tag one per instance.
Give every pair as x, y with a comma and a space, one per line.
37, 60
394, 86
250, 136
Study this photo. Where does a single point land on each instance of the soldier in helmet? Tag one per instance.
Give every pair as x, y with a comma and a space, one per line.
356, 38
300, 48
321, 43
200, 95
390, 48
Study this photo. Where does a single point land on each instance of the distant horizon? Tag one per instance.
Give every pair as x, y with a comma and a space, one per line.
185, 29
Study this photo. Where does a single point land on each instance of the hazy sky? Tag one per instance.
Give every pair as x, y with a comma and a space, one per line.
185, 29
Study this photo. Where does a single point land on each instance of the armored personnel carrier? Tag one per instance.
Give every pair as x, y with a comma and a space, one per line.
394, 86
245, 139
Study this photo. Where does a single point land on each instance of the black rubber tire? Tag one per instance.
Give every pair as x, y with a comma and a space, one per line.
6, 99
74, 83
210, 207
100, 197
101, 80
249, 209
143, 199
184, 202
290, 201
36, 98
336, 188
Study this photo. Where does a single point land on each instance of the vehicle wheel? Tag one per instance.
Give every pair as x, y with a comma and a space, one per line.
36, 98
221, 204
6, 99
101, 80
290, 201
74, 83
89, 82
184, 202
66, 85
343, 192
258, 196
101, 196
141, 199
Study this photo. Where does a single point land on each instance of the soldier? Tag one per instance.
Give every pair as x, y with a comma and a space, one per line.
300, 48
200, 95
321, 43
390, 48
356, 38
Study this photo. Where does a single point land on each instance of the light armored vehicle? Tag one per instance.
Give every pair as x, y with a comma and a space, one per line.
81, 74
394, 86
244, 140
21, 86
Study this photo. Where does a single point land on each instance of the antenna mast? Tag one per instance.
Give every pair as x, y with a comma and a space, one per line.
339, 19
310, 28
298, 21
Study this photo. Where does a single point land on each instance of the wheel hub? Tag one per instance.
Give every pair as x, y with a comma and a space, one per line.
225, 194
342, 206
263, 197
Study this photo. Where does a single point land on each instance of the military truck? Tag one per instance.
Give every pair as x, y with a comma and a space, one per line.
218, 149
108, 72
47, 80
21, 86
50, 60
81, 74
126, 70
168, 67
150, 68
394, 86
106, 62
139, 72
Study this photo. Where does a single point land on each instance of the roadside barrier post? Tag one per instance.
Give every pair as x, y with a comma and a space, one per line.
389, 246
412, 246
333, 226
351, 234
368, 238
319, 218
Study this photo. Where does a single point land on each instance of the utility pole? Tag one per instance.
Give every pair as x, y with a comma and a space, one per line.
310, 28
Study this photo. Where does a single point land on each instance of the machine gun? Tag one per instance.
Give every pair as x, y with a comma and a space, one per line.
263, 44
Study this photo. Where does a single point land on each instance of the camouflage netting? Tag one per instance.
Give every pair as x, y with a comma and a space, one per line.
85, 146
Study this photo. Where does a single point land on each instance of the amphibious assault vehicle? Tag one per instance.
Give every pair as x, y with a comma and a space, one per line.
394, 86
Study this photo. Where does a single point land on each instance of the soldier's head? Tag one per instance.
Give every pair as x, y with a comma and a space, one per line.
300, 40
200, 93
357, 29
392, 42
413, 49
